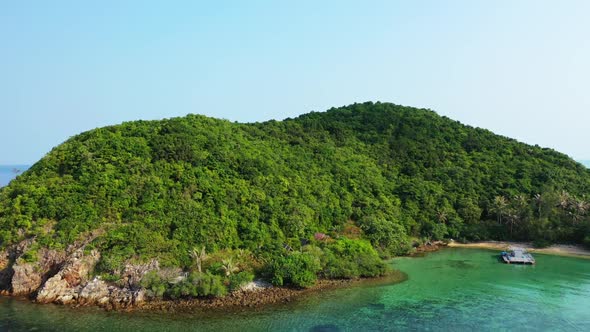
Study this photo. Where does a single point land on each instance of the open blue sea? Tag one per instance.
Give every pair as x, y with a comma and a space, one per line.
9, 172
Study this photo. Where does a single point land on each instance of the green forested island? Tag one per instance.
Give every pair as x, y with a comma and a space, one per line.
326, 195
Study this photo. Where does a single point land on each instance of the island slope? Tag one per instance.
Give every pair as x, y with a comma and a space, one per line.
209, 201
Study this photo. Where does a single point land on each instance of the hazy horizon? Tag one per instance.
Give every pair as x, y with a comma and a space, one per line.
519, 69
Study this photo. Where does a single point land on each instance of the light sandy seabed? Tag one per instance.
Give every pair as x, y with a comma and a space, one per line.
556, 249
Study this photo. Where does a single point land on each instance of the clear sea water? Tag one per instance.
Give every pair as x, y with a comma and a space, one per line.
9, 172
451, 290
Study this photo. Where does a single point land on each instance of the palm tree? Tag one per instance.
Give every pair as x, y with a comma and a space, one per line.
539, 201
198, 256
442, 216
229, 267
564, 199
521, 200
521, 204
579, 209
499, 207
512, 219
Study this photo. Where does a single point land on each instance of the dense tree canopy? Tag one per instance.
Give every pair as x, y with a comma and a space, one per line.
377, 172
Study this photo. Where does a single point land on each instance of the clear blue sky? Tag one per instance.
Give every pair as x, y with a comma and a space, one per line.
519, 68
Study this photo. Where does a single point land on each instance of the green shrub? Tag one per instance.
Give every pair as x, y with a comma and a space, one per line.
541, 243
335, 267
346, 258
109, 277
155, 286
198, 285
216, 287
239, 279
387, 235
215, 268
31, 255
297, 269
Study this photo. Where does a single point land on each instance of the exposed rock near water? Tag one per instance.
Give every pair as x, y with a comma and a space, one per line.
25, 279
63, 287
257, 295
133, 273
96, 291
64, 277
6, 271
420, 249
7, 259
28, 277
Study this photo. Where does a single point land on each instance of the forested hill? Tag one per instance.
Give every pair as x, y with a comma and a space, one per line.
382, 172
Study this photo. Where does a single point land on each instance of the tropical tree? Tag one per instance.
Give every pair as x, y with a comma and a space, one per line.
564, 200
229, 267
198, 256
499, 207
538, 199
579, 207
512, 219
442, 216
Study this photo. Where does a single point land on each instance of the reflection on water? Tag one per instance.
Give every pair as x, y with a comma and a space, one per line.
455, 289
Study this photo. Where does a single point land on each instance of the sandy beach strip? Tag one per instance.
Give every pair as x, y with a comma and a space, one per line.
556, 249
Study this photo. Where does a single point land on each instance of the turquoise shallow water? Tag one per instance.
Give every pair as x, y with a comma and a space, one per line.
451, 290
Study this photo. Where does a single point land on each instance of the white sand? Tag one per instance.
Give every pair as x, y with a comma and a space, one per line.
556, 249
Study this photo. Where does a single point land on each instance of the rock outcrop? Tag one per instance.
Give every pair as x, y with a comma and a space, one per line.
29, 276
133, 273
7, 259
26, 279
65, 285
100, 293
6, 271
64, 277
94, 292
71, 284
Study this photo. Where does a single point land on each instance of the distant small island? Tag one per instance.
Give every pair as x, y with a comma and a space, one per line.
198, 208
9, 172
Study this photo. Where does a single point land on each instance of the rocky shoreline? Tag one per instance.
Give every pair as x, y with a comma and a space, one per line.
428, 247
64, 277
265, 296
243, 298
